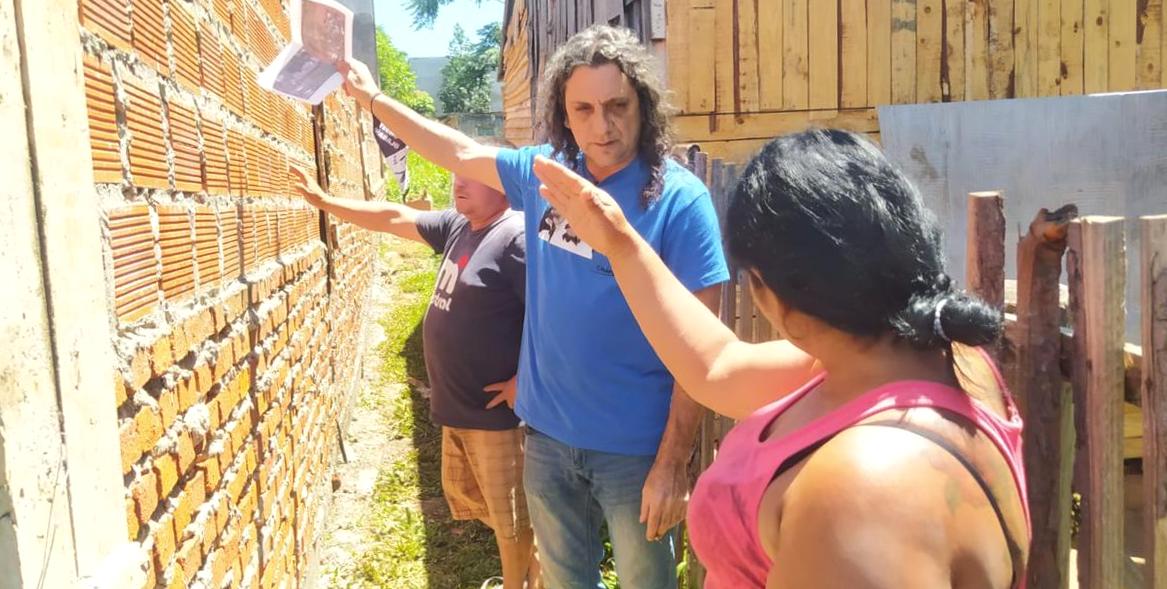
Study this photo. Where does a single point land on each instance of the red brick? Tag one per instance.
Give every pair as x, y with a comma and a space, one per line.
183, 512
177, 578
144, 491
185, 451
166, 469
161, 355
187, 392
168, 406
212, 474
140, 368
190, 557
132, 521
148, 423
164, 543
131, 448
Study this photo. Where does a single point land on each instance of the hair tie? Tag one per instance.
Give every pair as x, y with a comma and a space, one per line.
936, 326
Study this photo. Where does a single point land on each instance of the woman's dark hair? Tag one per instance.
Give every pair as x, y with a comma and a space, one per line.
838, 233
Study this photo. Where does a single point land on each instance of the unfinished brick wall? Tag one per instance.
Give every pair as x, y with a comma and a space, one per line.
237, 311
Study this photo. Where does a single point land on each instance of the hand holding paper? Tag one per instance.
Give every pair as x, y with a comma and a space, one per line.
307, 69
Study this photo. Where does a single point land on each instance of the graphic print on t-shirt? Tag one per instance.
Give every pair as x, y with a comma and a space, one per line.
447, 279
555, 230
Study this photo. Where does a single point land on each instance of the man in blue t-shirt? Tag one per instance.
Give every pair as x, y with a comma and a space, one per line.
609, 435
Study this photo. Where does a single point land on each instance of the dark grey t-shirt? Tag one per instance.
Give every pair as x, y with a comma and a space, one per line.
474, 324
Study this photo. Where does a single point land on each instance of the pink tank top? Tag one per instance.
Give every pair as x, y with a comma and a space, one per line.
723, 512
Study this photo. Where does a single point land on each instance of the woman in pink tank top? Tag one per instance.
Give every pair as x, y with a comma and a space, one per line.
878, 446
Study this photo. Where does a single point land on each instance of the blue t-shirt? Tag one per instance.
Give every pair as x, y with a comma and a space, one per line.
587, 375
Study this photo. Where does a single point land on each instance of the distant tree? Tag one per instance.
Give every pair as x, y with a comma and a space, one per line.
398, 80
425, 12
468, 78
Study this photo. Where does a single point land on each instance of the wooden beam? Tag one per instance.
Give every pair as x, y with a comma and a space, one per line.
1045, 407
766, 126
1096, 56
795, 50
1072, 45
1097, 275
770, 54
1001, 49
929, 55
985, 261
1149, 59
878, 52
823, 55
976, 49
1153, 235
853, 59
903, 51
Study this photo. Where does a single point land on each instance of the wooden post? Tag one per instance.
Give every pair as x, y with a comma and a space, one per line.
1154, 392
985, 261
1098, 288
1049, 442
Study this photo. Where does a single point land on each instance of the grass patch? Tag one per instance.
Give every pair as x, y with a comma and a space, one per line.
425, 179
415, 543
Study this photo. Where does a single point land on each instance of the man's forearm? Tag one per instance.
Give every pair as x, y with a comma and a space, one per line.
676, 445
434, 141
374, 216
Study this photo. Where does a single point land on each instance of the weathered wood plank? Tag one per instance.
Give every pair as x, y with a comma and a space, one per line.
1149, 54
748, 78
903, 51
770, 54
852, 71
1096, 55
976, 48
824, 55
702, 128
1001, 49
878, 52
1097, 285
795, 51
1073, 39
952, 74
726, 66
929, 34
1025, 47
1123, 24
1153, 258
701, 65
1045, 406
1049, 47
985, 248
677, 45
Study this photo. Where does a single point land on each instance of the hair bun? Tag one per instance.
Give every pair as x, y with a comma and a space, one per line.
962, 318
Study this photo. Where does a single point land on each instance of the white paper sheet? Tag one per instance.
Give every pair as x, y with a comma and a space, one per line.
322, 35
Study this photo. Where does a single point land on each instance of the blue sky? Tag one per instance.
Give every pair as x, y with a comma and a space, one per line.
394, 18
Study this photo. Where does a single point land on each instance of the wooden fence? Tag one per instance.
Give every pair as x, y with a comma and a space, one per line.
1095, 406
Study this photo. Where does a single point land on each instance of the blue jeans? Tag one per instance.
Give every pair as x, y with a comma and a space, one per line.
570, 491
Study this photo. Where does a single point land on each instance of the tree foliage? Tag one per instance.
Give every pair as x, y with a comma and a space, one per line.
468, 78
425, 12
397, 79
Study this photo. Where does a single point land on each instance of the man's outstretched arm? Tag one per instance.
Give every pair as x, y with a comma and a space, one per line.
446, 147
386, 217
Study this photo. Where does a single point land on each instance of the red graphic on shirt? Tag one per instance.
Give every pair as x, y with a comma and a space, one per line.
465, 259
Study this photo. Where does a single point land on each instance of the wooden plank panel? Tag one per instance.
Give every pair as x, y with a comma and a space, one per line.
1097, 286
853, 57
749, 77
976, 50
1149, 54
985, 247
1049, 47
903, 51
702, 61
952, 75
929, 33
1001, 49
725, 65
1123, 23
878, 52
823, 55
1025, 40
1153, 236
1096, 53
676, 43
697, 129
770, 54
795, 57
1072, 46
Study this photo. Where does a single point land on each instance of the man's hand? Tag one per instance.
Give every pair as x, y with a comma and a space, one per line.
664, 498
358, 81
308, 188
505, 393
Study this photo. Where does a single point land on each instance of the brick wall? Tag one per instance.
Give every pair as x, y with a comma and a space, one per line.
237, 310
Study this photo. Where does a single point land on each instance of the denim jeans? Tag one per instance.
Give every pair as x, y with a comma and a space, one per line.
570, 492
